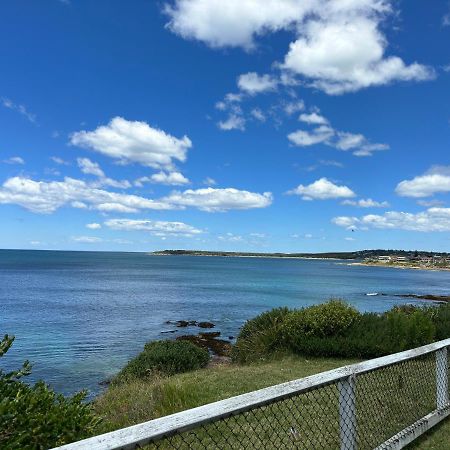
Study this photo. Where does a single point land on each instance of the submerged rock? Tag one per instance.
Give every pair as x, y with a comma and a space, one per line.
205, 325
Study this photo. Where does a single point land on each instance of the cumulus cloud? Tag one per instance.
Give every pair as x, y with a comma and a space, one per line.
171, 179
93, 226
46, 197
303, 138
339, 46
92, 168
366, 203
233, 23
358, 144
322, 189
14, 160
212, 199
134, 142
435, 180
252, 83
433, 219
313, 118
233, 122
343, 51
158, 228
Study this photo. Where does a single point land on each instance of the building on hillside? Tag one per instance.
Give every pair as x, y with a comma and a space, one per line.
384, 258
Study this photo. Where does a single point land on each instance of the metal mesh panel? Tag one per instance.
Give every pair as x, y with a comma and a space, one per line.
361, 411
306, 421
391, 398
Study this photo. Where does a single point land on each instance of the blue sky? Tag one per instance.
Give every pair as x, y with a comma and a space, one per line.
286, 125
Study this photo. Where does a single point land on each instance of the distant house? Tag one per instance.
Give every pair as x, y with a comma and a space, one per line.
401, 259
384, 258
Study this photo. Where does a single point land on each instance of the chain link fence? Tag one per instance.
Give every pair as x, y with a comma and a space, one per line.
379, 404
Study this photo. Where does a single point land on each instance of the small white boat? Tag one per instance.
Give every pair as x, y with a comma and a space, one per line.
372, 294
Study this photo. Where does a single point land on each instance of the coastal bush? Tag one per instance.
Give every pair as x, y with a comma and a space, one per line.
324, 320
260, 336
335, 329
166, 358
35, 417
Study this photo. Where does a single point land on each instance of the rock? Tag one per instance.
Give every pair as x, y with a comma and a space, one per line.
209, 334
169, 331
104, 383
217, 347
205, 325
230, 338
182, 323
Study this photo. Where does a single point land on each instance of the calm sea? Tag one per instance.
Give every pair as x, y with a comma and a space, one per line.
79, 316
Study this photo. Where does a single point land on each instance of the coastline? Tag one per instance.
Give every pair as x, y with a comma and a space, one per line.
255, 256
399, 266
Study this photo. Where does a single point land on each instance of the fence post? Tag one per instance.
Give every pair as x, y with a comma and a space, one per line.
442, 399
347, 413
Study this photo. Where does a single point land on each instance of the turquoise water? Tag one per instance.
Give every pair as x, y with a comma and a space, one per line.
79, 316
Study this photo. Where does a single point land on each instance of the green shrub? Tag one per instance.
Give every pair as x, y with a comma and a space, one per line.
165, 357
35, 417
335, 329
440, 316
324, 320
261, 336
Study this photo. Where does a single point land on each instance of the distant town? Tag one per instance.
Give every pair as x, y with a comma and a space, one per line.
415, 260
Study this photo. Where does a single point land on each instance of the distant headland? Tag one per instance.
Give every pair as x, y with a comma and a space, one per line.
364, 255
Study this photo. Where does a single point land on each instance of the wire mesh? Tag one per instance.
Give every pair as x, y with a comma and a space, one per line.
361, 411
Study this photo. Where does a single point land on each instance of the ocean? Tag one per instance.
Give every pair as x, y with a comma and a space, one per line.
80, 316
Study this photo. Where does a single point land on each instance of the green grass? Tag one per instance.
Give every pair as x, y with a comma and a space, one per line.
437, 438
137, 401
401, 398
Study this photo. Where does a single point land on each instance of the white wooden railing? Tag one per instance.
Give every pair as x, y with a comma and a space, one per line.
345, 378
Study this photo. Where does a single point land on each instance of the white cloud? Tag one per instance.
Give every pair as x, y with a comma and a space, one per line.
21, 109
325, 134
294, 107
89, 167
59, 161
313, 118
172, 178
46, 197
134, 142
322, 189
319, 135
233, 122
87, 239
339, 46
14, 160
435, 180
258, 114
230, 237
158, 228
433, 219
366, 203
211, 199
252, 83
233, 23
93, 226
349, 239
208, 181
92, 168
343, 51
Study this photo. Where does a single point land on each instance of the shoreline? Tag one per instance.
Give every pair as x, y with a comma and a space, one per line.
256, 256
398, 266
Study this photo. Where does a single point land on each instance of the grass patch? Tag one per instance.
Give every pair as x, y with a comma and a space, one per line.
138, 400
